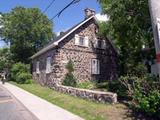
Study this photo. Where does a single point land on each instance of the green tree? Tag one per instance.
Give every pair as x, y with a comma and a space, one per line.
129, 27
5, 59
27, 30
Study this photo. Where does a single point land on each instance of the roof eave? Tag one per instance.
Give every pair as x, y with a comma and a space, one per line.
43, 51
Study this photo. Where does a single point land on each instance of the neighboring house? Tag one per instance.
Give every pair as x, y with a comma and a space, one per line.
93, 58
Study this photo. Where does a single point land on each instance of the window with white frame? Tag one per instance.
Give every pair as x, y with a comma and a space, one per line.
100, 44
81, 41
95, 66
37, 67
48, 65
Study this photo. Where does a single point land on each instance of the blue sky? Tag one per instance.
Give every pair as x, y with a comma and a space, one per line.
68, 18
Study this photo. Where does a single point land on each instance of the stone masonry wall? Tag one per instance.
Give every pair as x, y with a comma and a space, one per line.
46, 78
81, 57
102, 97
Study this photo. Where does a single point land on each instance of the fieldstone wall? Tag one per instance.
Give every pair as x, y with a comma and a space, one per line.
81, 57
46, 78
98, 96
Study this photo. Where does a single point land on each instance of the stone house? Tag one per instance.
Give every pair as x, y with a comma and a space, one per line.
94, 58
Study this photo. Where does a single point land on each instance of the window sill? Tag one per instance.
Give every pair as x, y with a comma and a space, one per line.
95, 74
100, 48
82, 46
48, 72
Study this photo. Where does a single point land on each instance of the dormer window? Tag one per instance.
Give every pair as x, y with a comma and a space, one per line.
101, 44
81, 41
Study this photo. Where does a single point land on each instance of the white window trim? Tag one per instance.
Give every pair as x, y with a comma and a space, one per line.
95, 70
104, 45
37, 67
48, 65
77, 41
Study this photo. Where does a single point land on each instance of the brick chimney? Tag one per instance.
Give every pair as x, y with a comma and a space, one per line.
89, 12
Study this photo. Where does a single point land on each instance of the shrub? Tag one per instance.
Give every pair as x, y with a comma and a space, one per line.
146, 97
148, 103
143, 91
70, 66
20, 73
116, 87
23, 78
139, 70
69, 79
18, 68
29, 81
124, 86
86, 85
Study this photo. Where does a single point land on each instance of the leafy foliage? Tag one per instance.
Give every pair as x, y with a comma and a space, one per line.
143, 91
70, 66
24, 78
27, 30
146, 97
86, 85
130, 27
5, 60
140, 70
69, 79
20, 73
18, 68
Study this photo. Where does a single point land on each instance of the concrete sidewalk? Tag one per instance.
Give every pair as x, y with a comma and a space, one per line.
11, 108
42, 109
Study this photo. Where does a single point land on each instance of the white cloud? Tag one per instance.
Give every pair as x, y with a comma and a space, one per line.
101, 17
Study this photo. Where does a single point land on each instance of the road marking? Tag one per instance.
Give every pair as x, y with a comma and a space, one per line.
4, 101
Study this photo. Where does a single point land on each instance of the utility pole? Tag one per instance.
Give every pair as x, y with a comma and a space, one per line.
154, 6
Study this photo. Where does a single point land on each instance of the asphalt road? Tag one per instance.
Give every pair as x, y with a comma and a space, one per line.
11, 108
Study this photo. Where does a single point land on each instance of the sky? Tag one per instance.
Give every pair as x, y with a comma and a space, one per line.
68, 18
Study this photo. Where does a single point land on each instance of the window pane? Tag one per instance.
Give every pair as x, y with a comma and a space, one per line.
98, 67
48, 65
95, 67
37, 67
99, 43
81, 41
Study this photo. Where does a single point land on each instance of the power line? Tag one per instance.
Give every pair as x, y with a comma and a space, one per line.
60, 12
48, 6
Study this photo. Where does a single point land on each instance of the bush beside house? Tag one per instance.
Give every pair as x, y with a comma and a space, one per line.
69, 79
144, 93
20, 73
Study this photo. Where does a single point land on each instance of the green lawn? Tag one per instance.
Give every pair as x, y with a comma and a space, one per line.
85, 109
